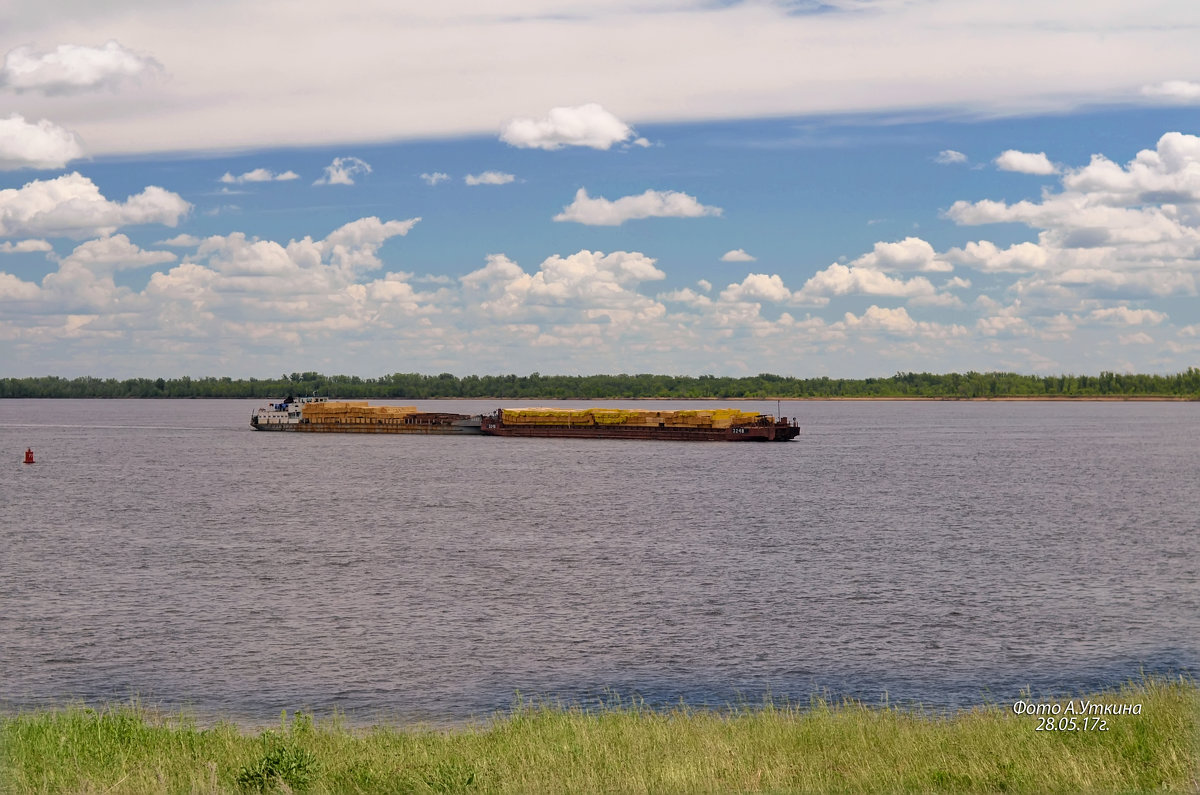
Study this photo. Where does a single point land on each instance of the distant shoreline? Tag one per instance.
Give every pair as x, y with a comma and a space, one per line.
793, 399
643, 386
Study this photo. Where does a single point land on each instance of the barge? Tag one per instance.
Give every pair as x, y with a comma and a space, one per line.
714, 425
321, 415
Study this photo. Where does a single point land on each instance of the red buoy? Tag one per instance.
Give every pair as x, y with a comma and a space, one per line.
29, 455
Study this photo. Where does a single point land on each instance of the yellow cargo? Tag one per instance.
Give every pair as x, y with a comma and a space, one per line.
640, 418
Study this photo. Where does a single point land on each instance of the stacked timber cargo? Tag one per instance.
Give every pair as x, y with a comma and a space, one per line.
356, 416
354, 412
641, 418
688, 425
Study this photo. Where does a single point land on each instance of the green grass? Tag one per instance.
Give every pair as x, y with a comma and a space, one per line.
628, 749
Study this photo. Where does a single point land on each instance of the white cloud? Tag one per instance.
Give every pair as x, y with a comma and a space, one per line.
986, 256
1173, 91
1025, 162
1107, 246
949, 156
488, 178
737, 255
434, 178
1124, 316
686, 295
741, 62
1127, 232
587, 285
1137, 338
108, 254
838, 279
72, 206
651, 204
897, 322
758, 287
41, 145
25, 247
586, 125
1170, 173
73, 68
259, 175
343, 170
14, 289
182, 241
285, 277
894, 321
909, 254
1003, 326
1114, 283
353, 245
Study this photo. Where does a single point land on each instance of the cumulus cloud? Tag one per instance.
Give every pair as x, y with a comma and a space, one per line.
25, 247
1112, 231
259, 175
1004, 325
984, 255
182, 241
909, 254
240, 273
591, 285
488, 178
1137, 338
1166, 174
108, 254
586, 125
1124, 316
838, 279
74, 68
343, 170
737, 255
686, 295
1173, 91
1025, 162
651, 204
15, 289
72, 206
949, 156
353, 245
894, 321
434, 178
1104, 282
1107, 244
41, 145
758, 287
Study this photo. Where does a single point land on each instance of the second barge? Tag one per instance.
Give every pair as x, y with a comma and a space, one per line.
715, 425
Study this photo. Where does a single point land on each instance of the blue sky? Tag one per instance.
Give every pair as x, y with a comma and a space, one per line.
672, 186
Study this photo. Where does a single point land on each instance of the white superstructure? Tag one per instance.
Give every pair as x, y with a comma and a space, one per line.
286, 412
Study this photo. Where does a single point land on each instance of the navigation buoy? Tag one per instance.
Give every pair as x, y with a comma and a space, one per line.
29, 455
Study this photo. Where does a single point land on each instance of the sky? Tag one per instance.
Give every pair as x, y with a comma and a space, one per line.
847, 188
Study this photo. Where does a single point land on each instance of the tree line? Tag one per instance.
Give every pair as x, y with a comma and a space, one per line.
415, 386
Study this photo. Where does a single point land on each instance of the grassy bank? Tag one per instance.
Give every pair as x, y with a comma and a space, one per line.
819, 747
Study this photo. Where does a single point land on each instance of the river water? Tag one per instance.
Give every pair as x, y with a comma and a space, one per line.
938, 553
